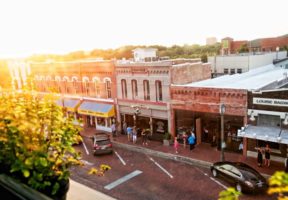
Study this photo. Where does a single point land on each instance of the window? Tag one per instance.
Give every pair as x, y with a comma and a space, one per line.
146, 90
96, 87
225, 70
108, 88
159, 96
124, 88
232, 71
74, 84
239, 71
86, 87
134, 89
65, 86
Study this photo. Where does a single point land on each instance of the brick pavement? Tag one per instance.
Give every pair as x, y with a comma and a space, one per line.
202, 152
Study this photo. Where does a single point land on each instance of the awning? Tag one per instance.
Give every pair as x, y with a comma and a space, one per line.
271, 134
96, 109
70, 104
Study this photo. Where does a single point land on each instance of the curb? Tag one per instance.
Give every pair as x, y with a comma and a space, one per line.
170, 156
187, 160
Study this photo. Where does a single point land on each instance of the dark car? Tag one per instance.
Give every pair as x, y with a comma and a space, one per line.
240, 175
102, 144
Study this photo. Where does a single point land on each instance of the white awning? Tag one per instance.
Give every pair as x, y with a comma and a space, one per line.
271, 134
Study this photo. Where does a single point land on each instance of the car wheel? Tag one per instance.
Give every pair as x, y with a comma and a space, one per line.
238, 187
214, 172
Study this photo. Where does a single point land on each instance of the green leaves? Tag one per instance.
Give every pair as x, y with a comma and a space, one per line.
229, 194
35, 139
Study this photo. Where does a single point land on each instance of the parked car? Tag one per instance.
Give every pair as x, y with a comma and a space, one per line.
240, 175
102, 144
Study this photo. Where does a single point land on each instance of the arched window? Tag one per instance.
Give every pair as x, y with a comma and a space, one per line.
124, 88
96, 83
108, 88
58, 84
74, 84
158, 86
134, 89
146, 90
86, 86
65, 84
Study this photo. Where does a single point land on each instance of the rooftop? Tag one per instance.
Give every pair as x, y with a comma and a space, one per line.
253, 80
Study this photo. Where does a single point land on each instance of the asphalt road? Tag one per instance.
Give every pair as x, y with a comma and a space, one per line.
140, 176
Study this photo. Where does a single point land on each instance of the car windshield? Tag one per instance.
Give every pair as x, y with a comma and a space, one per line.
250, 175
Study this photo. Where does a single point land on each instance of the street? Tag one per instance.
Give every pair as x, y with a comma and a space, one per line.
140, 176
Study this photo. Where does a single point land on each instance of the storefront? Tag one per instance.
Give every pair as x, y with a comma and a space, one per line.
267, 122
70, 106
198, 109
98, 115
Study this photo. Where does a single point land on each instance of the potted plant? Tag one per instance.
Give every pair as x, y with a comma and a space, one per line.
167, 139
36, 142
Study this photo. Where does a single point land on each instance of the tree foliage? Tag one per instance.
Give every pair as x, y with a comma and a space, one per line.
229, 194
175, 51
278, 184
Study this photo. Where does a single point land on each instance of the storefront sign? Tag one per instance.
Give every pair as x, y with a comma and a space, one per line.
271, 102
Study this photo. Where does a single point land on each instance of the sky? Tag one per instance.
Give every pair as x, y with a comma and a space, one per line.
62, 26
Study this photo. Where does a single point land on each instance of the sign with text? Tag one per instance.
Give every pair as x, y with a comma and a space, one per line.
271, 102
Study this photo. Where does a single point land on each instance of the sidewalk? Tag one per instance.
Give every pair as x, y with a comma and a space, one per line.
202, 154
78, 191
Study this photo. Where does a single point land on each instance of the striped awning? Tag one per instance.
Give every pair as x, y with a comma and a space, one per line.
69, 104
96, 109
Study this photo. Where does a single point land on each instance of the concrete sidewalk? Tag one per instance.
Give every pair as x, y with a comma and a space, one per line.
203, 155
78, 191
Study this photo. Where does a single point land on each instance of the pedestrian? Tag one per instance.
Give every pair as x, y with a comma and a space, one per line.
176, 145
124, 127
259, 157
267, 151
191, 141
113, 128
286, 165
134, 135
129, 133
144, 135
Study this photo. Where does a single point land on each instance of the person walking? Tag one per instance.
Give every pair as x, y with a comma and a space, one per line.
267, 151
259, 157
144, 135
129, 133
134, 135
185, 136
176, 145
113, 128
191, 141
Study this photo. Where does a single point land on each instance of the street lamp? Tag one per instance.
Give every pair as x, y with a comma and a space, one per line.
277, 50
222, 111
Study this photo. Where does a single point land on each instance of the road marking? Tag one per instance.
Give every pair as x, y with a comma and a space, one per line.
121, 159
87, 162
122, 180
164, 170
213, 179
87, 152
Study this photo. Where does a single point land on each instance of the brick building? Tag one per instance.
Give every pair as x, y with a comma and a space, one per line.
196, 106
143, 90
86, 88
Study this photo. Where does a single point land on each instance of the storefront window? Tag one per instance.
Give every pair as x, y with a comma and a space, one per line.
100, 121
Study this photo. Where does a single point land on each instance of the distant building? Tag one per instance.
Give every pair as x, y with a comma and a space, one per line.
239, 63
229, 46
211, 40
144, 54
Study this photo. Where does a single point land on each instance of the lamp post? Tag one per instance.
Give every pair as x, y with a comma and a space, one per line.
222, 111
277, 50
